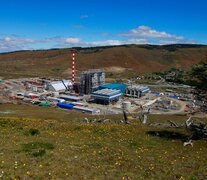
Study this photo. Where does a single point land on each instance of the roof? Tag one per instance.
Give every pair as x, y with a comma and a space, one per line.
69, 97
93, 71
139, 88
117, 86
107, 92
60, 85
67, 82
55, 99
113, 85
45, 103
86, 109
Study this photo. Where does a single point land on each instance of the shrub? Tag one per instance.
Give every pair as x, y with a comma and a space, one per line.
34, 132
37, 149
39, 153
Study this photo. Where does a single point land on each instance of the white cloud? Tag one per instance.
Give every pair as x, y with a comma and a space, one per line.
7, 39
72, 40
137, 41
104, 43
14, 43
140, 35
148, 32
176, 41
16, 40
115, 42
153, 36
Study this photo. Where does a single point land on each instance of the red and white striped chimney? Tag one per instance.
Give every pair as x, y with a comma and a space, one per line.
73, 66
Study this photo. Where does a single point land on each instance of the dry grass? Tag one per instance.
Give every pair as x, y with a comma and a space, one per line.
66, 148
141, 59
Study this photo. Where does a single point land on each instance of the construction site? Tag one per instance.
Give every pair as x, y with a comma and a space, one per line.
91, 94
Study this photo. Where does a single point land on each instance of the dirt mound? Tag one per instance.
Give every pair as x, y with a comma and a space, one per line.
115, 69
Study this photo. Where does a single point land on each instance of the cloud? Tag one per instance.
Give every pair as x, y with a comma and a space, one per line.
18, 43
176, 41
84, 16
115, 42
15, 40
155, 37
72, 40
12, 43
148, 32
137, 41
140, 35
104, 43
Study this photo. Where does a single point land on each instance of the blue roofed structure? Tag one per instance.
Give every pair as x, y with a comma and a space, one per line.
117, 86
106, 96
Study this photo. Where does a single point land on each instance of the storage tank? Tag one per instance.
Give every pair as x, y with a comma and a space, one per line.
65, 106
126, 105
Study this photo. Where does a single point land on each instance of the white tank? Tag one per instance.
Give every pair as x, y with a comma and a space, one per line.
126, 105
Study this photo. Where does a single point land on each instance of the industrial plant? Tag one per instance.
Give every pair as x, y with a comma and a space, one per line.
91, 94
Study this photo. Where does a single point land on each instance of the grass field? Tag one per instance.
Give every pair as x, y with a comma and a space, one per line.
48, 143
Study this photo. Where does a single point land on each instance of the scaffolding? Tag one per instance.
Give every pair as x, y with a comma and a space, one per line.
91, 80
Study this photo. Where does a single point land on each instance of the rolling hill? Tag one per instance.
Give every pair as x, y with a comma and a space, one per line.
125, 59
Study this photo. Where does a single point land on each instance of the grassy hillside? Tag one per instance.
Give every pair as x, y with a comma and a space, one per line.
47, 143
138, 59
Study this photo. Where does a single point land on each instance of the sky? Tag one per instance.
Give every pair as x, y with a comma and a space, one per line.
45, 24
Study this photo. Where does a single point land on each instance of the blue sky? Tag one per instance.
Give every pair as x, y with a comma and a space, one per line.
44, 24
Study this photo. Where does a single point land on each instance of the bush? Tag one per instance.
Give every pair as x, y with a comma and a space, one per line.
39, 153
37, 149
34, 132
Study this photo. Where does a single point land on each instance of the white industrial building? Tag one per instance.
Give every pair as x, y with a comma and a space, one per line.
136, 91
58, 86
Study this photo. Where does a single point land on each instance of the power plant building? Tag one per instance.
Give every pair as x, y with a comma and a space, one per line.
91, 80
106, 96
136, 91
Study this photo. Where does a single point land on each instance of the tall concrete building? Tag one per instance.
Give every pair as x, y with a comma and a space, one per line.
91, 80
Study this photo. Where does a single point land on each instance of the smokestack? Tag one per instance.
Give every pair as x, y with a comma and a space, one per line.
73, 66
